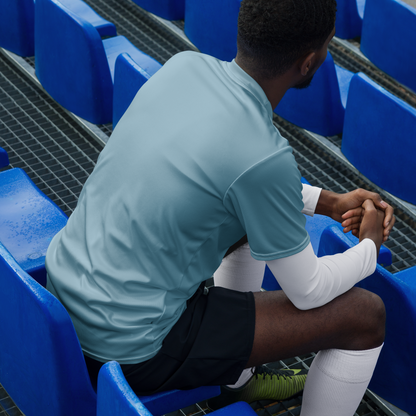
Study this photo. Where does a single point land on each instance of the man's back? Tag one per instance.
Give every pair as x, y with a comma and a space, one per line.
164, 204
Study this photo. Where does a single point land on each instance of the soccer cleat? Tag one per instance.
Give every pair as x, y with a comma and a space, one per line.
266, 384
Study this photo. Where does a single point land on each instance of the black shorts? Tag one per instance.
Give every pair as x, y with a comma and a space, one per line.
209, 345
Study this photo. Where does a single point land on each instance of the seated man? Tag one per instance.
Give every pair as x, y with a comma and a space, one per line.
195, 164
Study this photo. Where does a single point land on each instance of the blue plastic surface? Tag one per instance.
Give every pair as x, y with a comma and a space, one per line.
212, 26
379, 137
393, 377
28, 221
388, 38
349, 19
82, 9
41, 362
73, 64
129, 77
319, 108
115, 397
17, 19
169, 401
4, 158
168, 9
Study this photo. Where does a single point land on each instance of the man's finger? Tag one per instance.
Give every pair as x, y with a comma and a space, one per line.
356, 212
389, 217
354, 221
368, 205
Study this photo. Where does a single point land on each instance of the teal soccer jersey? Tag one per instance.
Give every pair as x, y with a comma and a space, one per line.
194, 164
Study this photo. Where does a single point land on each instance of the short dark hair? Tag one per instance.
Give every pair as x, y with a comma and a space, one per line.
273, 34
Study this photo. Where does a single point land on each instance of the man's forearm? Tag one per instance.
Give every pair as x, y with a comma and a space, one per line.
326, 203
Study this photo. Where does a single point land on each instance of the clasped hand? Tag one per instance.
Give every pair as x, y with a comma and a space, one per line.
362, 212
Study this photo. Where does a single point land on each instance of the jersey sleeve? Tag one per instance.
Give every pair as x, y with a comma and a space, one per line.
267, 199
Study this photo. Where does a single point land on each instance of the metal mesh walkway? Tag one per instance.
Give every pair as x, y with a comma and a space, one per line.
42, 139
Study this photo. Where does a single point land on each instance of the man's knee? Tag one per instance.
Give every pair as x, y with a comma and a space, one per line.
371, 315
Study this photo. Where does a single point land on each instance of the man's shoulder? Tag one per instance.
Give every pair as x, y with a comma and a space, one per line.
191, 58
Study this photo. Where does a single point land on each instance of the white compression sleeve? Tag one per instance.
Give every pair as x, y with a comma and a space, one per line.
337, 381
239, 271
310, 196
310, 282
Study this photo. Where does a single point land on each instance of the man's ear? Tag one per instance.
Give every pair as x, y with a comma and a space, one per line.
306, 63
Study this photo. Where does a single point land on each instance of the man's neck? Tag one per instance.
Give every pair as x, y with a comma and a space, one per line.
274, 88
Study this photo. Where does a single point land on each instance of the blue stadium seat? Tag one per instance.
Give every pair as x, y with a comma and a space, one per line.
349, 19
115, 397
319, 108
172, 400
28, 220
17, 19
73, 63
41, 362
4, 158
315, 226
81, 9
388, 38
212, 26
378, 137
129, 77
393, 378
168, 9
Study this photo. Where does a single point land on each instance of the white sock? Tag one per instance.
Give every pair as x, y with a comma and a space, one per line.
337, 382
244, 377
239, 271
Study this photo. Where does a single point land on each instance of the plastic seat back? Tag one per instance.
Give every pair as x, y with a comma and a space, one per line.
4, 158
168, 9
129, 77
17, 18
71, 62
379, 137
115, 397
212, 26
82, 9
172, 400
41, 363
349, 19
28, 221
319, 108
388, 38
393, 377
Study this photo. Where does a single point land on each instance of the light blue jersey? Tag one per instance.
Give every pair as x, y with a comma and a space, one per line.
194, 164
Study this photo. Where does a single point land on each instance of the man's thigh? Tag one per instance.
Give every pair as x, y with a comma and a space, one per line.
354, 321
209, 345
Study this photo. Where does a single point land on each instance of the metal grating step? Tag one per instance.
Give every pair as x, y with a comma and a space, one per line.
41, 138
7, 406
